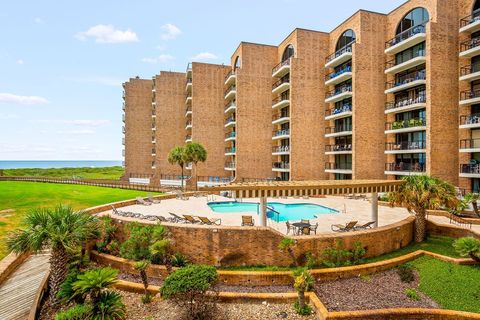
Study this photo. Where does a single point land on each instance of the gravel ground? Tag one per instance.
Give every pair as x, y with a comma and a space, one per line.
382, 290
136, 278
163, 310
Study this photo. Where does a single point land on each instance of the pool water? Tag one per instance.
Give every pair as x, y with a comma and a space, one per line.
287, 211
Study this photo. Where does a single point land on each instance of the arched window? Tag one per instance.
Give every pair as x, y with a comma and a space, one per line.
237, 63
288, 52
415, 17
346, 38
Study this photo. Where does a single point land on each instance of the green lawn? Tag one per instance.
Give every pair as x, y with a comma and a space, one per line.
86, 173
23, 196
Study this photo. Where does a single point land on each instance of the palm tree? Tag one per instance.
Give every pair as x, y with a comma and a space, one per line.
60, 229
421, 193
195, 152
95, 281
177, 156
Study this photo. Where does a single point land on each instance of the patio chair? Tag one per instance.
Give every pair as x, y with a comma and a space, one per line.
290, 227
177, 218
367, 225
208, 221
141, 201
152, 200
190, 219
305, 221
313, 228
248, 221
344, 228
305, 231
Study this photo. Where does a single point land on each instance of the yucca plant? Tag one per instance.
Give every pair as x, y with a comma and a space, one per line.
93, 282
141, 267
303, 282
62, 230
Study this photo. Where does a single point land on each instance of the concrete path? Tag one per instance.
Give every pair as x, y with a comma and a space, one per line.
17, 294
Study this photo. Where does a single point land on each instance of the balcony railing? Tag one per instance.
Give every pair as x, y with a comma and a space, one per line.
470, 44
281, 64
339, 90
230, 165
470, 144
124, 130
231, 88
470, 94
406, 145
229, 119
405, 167
405, 79
279, 149
280, 115
338, 53
474, 17
337, 129
231, 134
189, 80
338, 110
188, 123
403, 124
470, 168
188, 137
280, 82
281, 165
280, 98
392, 63
465, 71
231, 73
283, 132
338, 147
420, 28
470, 119
406, 102
214, 179
230, 150
188, 95
338, 73
230, 104
338, 166
189, 67
189, 109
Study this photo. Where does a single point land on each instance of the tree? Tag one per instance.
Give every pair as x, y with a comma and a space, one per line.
141, 267
468, 247
421, 193
61, 229
287, 245
473, 199
177, 156
195, 152
303, 282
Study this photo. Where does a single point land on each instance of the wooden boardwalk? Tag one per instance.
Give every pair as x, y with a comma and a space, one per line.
17, 294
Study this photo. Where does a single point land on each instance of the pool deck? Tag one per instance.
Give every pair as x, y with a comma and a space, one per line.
349, 209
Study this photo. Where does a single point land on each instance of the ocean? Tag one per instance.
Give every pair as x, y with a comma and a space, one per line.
45, 164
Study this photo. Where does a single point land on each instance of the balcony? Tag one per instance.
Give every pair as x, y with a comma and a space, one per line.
405, 169
230, 78
189, 70
230, 107
154, 126
339, 94
340, 56
123, 118
332, 167
281, 101
469, 145
418, 58
188, 138
230, 136
154, 152
230, 93
188, 125
470, 48
470, 23
229, 166
230, 122
470, 170
338, 131
281, 134
280, 86
339, 112
410, 125
123, 141
189, 85
124, 107
407, 81
470, 122
189, 166
343, 148
406, 39
470, 73
420, 102
281, 166
188, 99
338, 76
281, 69
280, 150
469, 97
405, 147
230, 151
188, 111
281, 117
123, 129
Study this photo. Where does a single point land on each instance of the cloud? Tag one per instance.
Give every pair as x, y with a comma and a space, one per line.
205, 56
81, 131
20, 61
171, 32
107, 34
163, 58
27, 100
38, 20
161, 47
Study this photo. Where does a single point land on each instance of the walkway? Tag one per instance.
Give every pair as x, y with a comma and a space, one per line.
18, 292
446, 221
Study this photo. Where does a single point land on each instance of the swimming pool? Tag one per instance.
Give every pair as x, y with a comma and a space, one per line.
287, 211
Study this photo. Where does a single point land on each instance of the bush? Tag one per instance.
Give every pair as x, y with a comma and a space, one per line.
306, 310
311, 260
468, 247
66, 292
113, 248
187, 287
160, 251
78, 312
405, 272
412, 294
338, 256
108, 234
139, 240
94, 281
179, 260
109, 307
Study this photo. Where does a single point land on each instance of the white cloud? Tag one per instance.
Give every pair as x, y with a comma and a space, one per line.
107, 34
38, 20
28, 100
170, 32
161, 47
20, 61
205, 56
163, 58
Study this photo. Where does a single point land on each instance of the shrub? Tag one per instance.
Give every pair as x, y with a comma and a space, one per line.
405, 272
358, 252
468, 247
179, 260
108, 234
306, 310
66, 292
142, 266
160, 251
187, 287
338, 256
78, 312
109, 307
113, 247
311, 260
287, 245
412, 294
94, 281
303, 282
139, 239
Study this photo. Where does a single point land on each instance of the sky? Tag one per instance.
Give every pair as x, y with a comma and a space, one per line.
62, 63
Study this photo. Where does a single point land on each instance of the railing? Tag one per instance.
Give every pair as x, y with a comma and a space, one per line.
281, 165
123, 141
230, 150
470, 119
410, 123
420, 28
230, 104
188, 137
231, 88
339, 52
415, 54
280, 115
280, 82
338, 166
189, 67
280, 65
406, 145
282, 97
188, 95
214, 179
470, 144
422, 98
123, 117
123, 107
154, 126
338, 147
229, 119
409, 77
339, 90
339, 128
188, 123
470, 168
231, 134
474, 17
258, 179
338, 110
189, 80
279, 149
231, 73
335, 74
174, 177
470, 94
230, 165
466, 70
189, 109
123, 129
154, 151
470, 44
405, 167
283, 132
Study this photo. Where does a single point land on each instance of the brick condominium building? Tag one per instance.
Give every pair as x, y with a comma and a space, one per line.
380, 96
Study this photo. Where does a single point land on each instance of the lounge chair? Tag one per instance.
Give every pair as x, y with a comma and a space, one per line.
367, 225
163, 219
190, 219
344, 228
208, 221
177, 218
141, 201
313, 228
248, 221
152, 200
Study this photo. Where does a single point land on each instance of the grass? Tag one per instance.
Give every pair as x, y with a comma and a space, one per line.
113, 173
23, 196
452, 286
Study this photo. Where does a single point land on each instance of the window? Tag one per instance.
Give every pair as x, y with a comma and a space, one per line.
288, 52
414, 18
413, 52
346, 38
237, 63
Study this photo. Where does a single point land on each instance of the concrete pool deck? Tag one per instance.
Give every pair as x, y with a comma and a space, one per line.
349, 209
